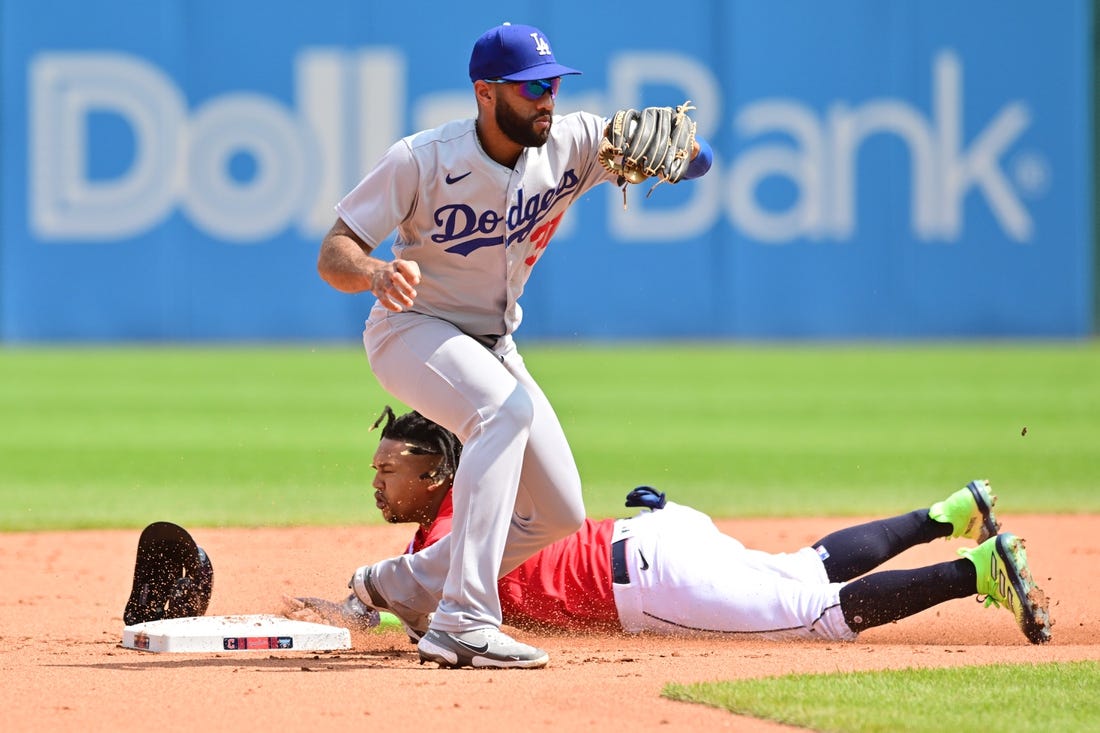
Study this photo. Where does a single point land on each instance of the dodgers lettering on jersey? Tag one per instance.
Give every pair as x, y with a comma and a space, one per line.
474, 226
462, 223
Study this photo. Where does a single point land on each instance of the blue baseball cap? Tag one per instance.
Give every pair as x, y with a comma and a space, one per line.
514, 53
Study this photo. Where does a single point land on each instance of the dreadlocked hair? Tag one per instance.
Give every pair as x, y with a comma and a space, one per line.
423, 437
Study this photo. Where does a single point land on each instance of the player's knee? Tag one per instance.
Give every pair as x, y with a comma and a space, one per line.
568, 509
553, 515
569, 519
576, 518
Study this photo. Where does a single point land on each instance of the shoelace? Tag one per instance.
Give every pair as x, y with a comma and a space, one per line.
988, 601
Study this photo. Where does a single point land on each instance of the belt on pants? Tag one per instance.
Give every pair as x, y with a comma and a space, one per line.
619, 573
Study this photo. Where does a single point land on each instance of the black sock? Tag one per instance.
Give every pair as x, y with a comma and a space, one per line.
851, 552
890, 595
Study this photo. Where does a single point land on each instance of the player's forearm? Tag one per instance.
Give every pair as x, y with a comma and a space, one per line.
344, 265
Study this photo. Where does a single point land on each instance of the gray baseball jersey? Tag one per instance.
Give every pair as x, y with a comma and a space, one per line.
474, 226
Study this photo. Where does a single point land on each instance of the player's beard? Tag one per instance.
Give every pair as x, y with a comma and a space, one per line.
519, 129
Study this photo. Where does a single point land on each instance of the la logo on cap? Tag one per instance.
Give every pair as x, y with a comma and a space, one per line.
541, 44
515, 53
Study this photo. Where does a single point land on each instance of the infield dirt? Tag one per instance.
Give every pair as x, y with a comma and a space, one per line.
63, 667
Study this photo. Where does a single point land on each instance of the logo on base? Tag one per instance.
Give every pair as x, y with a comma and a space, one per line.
247, 643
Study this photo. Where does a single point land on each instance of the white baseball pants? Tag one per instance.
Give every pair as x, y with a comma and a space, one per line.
687, 577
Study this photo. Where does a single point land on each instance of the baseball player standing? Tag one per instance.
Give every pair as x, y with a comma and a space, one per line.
475, 203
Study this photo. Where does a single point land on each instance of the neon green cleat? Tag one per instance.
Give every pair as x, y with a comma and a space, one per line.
1005, 581
969, 511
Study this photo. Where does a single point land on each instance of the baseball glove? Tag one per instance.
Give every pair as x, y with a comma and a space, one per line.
653, 142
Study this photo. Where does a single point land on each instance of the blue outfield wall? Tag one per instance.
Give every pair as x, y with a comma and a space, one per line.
904, 169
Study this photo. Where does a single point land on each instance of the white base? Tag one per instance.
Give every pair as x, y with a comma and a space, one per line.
252, 633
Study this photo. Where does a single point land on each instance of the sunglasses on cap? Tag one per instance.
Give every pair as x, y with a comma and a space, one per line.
533, 90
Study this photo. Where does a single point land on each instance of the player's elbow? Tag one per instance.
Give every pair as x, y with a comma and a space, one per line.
328, 267
324, 265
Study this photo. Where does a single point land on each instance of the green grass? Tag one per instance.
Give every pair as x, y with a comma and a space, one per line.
279, 436
119, 437
1020, 698
834, 430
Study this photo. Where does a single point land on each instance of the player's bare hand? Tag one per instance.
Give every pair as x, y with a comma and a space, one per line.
313, 610
351, 613
395, 284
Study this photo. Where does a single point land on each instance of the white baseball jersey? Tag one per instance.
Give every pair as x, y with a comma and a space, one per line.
474, 226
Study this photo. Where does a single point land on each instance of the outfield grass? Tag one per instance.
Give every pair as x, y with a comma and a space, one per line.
276, 436
279, 436
1051, 698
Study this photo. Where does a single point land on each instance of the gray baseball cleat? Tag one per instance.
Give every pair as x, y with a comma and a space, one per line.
488, 648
